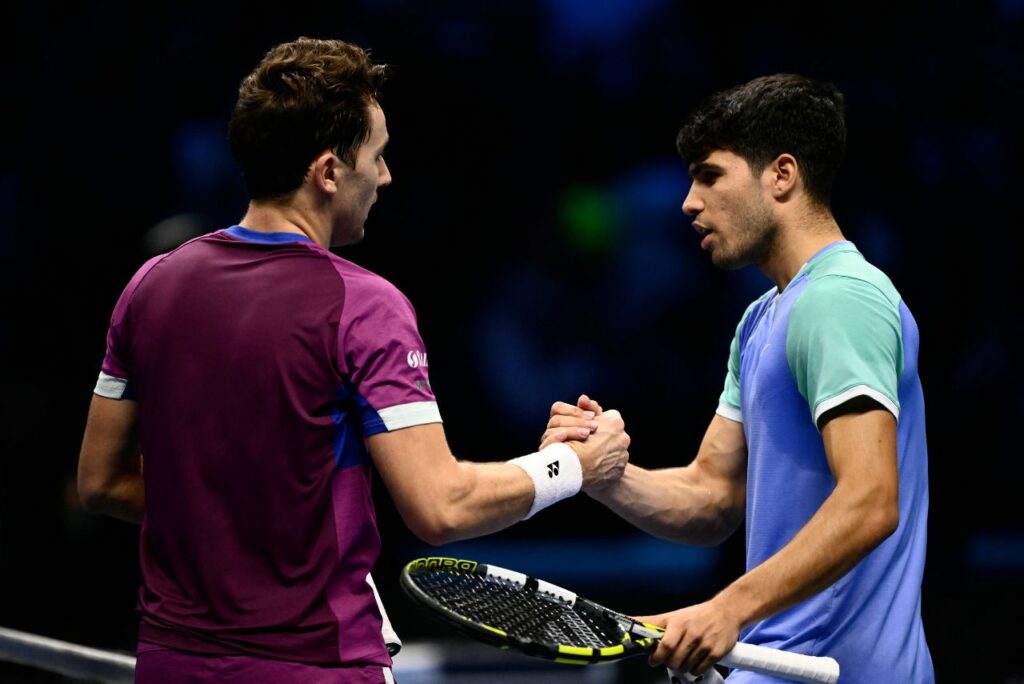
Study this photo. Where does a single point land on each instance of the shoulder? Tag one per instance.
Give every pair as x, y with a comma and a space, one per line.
846, 273
846, 303
835, 302
186, 250
754, 310
163, 265
140, 275
364, 286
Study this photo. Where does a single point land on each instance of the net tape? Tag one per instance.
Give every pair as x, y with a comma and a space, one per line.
65, 658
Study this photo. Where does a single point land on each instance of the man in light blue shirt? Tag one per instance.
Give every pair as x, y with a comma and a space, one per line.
819, 437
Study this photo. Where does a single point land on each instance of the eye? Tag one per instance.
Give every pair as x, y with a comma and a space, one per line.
707, 177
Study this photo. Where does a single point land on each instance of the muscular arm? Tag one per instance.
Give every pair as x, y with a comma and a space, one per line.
858, 515
443, 500
440, 499
701, 503
110, 465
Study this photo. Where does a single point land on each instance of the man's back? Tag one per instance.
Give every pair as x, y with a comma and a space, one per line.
256, 363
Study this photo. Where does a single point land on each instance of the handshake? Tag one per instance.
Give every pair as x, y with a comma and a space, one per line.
598, 437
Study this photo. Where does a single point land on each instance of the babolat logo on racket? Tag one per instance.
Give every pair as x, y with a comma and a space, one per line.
552, 469
439, 563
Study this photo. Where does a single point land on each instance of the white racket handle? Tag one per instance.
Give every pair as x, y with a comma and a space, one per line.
771, 661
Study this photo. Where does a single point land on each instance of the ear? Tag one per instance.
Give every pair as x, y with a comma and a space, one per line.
326, 172
782, 176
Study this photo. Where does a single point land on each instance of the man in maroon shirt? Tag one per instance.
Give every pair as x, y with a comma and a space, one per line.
260, 375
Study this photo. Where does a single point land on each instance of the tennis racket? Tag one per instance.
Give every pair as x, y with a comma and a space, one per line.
511, 610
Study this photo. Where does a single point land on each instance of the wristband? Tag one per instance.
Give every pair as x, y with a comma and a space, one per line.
556, 473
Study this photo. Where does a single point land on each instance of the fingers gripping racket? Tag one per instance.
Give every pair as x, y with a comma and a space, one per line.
511, 610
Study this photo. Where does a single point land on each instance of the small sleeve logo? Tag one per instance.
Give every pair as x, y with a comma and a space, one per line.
415, 359
552, 469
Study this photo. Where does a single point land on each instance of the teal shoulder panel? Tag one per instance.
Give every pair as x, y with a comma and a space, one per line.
844, 338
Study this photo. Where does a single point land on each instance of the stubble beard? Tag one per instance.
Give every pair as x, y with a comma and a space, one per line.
757, 231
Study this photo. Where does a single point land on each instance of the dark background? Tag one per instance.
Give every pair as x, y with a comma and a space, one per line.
534, 223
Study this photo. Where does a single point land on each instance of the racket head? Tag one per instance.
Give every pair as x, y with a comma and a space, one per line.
508, 609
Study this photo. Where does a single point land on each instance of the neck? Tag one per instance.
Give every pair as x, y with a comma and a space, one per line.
796, 243
292, 216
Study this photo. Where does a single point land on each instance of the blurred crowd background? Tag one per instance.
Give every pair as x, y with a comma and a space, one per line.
534, 222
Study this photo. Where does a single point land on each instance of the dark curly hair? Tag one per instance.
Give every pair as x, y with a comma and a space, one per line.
303, 97
769, 116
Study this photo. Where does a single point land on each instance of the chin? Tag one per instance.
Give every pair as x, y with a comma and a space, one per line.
729, 262
350, 237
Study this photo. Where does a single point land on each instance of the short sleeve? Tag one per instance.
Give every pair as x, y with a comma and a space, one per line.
385, 358
844, 341
114, 381
729, 402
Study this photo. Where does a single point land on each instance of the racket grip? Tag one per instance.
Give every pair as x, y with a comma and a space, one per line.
712, 676
794, 666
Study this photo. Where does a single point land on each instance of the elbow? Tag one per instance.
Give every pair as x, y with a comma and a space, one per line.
100, 494
90, 490
727, 515
434, 538
883, 519
436, 528
715, 534
118, 495
92, 496
888, 520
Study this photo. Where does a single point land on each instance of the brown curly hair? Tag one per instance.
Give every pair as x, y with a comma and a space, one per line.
303, 97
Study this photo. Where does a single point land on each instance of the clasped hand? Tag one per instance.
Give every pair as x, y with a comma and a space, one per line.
598, 437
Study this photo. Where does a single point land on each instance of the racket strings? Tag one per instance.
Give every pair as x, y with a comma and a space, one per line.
519, 612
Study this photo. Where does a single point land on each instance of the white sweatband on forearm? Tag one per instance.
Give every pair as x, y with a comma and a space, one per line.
556, 473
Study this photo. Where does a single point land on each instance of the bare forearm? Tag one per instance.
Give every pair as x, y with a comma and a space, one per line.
443, 500
440, 499
482, 499
844, 530
677, 504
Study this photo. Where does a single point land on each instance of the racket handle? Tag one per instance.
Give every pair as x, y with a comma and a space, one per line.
712, 676
793, 666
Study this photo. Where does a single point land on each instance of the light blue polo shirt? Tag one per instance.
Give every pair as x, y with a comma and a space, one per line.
839, 330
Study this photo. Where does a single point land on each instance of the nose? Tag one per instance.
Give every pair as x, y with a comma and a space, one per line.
692, 205
384, 177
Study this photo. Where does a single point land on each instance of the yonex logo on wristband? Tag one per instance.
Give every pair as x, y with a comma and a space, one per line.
556, 473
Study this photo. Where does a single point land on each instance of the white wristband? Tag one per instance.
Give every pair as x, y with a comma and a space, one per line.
556, 473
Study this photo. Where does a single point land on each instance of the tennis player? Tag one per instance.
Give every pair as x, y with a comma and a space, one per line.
819, 436
260, 374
